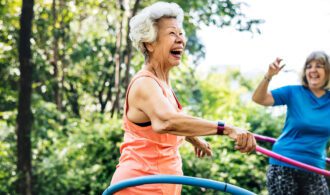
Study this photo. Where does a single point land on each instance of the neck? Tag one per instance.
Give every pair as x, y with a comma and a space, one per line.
158, 70
318, 92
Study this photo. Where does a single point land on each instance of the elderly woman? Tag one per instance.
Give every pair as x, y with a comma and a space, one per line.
307, 127
153, 122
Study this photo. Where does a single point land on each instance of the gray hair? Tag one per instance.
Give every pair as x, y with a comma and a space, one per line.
142, 25
322, 58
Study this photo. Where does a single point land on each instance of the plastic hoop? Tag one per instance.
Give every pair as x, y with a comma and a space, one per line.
173, 179
285, 159
273, 140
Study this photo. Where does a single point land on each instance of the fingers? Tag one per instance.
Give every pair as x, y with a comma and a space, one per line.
278, 60
252, 143
245, 143
275, 67
208, 150
203, 150
199, 152
242, 140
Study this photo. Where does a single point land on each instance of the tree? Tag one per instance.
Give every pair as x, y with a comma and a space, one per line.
24, 116
82, 62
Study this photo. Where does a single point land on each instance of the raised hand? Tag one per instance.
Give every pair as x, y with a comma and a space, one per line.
274, 67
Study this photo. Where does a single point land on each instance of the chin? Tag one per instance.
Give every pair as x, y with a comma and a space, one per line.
315, 86
175, 64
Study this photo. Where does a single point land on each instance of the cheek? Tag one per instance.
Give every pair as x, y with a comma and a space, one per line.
323, 73
306, 73
184, 41
326, 78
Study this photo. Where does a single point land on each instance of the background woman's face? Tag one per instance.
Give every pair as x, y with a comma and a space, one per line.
315, 74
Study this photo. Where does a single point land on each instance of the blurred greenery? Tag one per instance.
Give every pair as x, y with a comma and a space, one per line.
77, 131
74, 155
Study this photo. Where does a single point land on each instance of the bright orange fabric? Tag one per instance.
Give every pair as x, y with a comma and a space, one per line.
145, 152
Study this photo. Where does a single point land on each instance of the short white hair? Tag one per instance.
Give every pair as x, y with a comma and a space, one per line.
142, 25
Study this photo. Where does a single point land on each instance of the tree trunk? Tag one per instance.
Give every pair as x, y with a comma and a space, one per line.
105, 89
57, 93
62, 56
24, 116
128, 53
118, 60
73, 99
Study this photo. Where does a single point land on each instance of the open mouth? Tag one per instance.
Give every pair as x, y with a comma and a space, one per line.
176, 53
314, 76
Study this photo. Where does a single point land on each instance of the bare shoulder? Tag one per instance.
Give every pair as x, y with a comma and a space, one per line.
144, 97
144, 87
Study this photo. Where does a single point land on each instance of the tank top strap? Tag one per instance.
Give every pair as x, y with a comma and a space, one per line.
142, 73
177, 101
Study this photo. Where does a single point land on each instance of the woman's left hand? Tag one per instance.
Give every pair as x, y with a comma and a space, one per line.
201, 146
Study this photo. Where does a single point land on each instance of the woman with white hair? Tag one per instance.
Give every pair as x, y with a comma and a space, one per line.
307, 126
153, 122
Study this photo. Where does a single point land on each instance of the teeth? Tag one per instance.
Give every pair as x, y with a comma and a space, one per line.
176, 52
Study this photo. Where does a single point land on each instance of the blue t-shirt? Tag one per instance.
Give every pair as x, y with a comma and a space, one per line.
307, 127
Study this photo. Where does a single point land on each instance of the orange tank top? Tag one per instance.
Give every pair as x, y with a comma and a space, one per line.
145, 152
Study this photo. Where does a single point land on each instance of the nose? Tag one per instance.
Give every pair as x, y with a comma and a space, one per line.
313, 68
180, 39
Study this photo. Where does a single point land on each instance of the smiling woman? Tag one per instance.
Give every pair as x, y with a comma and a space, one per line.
154, 123
307, 128
168, 47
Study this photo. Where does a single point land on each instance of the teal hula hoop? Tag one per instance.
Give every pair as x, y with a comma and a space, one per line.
173, 179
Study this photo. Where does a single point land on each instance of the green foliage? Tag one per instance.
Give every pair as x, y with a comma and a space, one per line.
7, 152
73, 155
70, 155
75, 149
9, 72
79, 155
226, 165
223, 98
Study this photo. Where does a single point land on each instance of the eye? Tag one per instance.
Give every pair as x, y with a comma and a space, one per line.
308, 66
319, 65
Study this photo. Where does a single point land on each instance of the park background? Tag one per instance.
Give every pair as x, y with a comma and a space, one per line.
65, 70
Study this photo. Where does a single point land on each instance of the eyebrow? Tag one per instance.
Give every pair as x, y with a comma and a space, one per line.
172, 27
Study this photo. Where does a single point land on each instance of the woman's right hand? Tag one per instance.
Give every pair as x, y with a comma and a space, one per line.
274, 68
244, 140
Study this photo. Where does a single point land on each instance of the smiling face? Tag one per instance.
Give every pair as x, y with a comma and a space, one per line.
169, 45
315, 74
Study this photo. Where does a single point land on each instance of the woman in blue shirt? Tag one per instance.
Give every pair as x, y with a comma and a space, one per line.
306, 130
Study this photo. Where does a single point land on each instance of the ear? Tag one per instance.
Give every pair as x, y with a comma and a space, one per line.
149, 47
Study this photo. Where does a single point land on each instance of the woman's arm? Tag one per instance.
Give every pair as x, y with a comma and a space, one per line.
261, 94
145, 95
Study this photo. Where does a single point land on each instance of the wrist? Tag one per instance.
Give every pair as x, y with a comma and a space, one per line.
220, 128
268, 78
190, 139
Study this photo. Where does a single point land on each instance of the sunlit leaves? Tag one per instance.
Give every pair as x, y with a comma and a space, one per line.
75, 150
